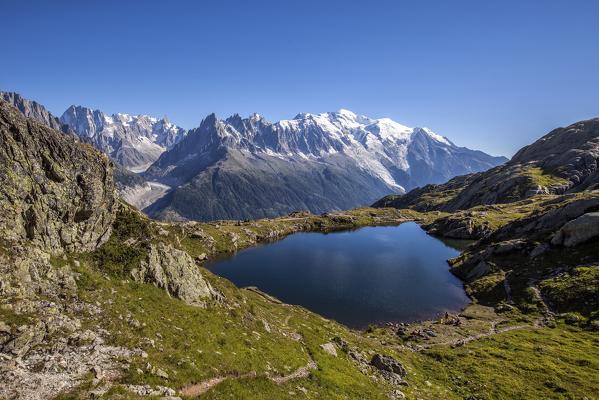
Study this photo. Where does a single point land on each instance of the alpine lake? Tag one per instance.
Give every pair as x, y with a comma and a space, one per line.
371, 275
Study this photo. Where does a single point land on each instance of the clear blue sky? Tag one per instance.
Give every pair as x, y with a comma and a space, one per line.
492, 75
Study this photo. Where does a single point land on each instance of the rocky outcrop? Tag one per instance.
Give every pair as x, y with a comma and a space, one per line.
572, 152
578, 231
464, 225
55, 193
389, 368
552, 216
51, 354
174, 271
329, 348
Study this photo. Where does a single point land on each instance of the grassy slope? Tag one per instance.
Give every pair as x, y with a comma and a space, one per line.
232, 339
547, 363
195, 344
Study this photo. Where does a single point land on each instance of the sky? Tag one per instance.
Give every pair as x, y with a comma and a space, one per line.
488, 75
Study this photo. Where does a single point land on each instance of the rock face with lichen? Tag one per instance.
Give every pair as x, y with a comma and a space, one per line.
56, 193
174, 271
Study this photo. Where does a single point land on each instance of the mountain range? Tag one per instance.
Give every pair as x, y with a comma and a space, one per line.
240, 168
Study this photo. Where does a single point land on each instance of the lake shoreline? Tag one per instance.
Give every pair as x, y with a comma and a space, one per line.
358, 277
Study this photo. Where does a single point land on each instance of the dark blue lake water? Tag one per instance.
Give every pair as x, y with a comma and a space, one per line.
370, 275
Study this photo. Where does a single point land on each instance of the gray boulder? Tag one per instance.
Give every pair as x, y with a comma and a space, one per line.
174, 271
388, 364
329, 348
578, 231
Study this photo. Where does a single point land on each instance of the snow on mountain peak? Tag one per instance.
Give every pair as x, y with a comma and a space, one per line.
373, 144
388, 129
134, 141
437, 137
347, 113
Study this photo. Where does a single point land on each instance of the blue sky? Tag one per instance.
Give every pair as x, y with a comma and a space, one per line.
488, 75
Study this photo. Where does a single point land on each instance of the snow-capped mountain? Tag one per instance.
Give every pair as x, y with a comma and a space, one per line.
135, 142
249, 167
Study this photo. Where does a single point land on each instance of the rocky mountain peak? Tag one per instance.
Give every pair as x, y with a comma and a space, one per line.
210, 120
235, 120
134, 141
561, 143
254, 117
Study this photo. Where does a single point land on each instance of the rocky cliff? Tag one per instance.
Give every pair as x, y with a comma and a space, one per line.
57, 199
56, 193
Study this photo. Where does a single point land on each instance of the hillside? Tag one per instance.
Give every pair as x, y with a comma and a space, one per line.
563, 161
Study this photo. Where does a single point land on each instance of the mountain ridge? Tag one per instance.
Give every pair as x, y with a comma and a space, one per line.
564, 160
134, 141
33, 109
380, 154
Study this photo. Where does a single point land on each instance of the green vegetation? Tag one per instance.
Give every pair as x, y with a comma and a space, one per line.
10, 317
542, 178
547, 363
576, 290
431, 200
126, 247
250, 340
488, 288
248, 335
529, 178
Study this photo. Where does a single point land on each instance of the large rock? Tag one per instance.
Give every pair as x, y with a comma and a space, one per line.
176, 272
56, 193
388, 364
578, 231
